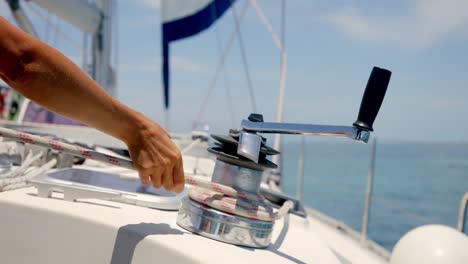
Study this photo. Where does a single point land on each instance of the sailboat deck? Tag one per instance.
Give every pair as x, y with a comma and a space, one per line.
51, 230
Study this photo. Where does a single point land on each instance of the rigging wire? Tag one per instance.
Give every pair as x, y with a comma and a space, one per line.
85, 52
116, 42
56, 29
6, 12
267, 24
46, 38
244, 60
49, 23
283, 69
220, 65
227, 85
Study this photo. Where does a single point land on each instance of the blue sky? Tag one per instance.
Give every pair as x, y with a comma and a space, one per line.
331, 46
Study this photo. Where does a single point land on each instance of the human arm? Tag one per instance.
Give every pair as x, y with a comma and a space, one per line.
48, 78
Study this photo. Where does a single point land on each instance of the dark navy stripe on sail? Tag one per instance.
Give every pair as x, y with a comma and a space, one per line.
186, 27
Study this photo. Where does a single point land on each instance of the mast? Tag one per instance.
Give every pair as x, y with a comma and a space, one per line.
21, 18
102, 48
94, 18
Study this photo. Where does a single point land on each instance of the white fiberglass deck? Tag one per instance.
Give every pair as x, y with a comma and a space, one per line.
51, 230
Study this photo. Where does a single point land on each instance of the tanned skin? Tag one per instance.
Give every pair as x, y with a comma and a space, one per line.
47, 77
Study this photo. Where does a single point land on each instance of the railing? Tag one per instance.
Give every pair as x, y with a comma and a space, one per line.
462, 213
368, 194
362, 237
414, 217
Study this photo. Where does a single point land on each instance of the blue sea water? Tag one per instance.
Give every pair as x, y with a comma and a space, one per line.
414, 183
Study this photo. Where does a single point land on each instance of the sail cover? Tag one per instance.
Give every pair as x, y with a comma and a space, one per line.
182, 19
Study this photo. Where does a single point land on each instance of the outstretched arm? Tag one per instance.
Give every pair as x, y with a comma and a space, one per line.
50, 79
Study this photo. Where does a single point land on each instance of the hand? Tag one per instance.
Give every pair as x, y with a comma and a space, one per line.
156, 157
40, 72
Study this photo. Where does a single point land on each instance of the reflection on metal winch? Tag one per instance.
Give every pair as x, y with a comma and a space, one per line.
243, 175
222, 226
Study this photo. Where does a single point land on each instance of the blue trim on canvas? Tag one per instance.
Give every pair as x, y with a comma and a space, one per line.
186, 27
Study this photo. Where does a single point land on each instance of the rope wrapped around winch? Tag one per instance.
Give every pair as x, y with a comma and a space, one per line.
222, 197
212, 194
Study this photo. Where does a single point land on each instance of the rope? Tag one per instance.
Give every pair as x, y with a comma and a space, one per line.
206, 192
64, 147
12, 183
25, 165
221, 197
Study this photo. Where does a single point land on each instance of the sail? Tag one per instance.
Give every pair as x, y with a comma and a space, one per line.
182, 19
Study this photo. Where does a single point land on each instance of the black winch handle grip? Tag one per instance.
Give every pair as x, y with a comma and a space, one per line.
372, 98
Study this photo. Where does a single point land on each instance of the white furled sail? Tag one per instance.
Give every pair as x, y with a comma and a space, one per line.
182, 19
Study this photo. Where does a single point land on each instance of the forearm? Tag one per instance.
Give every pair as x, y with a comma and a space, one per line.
48, 78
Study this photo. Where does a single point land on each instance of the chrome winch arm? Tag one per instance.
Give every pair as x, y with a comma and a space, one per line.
250, 141
351, 132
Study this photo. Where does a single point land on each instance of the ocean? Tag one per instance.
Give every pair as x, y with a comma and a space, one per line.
414, 183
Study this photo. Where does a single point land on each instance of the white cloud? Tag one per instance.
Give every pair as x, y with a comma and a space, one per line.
427, 22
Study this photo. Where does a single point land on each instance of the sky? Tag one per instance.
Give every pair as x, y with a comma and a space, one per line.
331, 48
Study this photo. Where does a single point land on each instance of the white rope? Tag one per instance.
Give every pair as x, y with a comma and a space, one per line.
206, 192
26, 163
8, 184
221, 197
64, 147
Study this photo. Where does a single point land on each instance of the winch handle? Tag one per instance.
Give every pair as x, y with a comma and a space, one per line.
372, 98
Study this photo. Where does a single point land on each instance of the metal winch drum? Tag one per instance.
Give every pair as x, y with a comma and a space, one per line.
242, 174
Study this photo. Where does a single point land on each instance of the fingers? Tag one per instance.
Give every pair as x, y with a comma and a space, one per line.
171, 179
157, 158
156, 177
179, 179
168, 182
145, 175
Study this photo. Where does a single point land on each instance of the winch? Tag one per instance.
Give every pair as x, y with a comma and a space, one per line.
230, 208
247, 220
